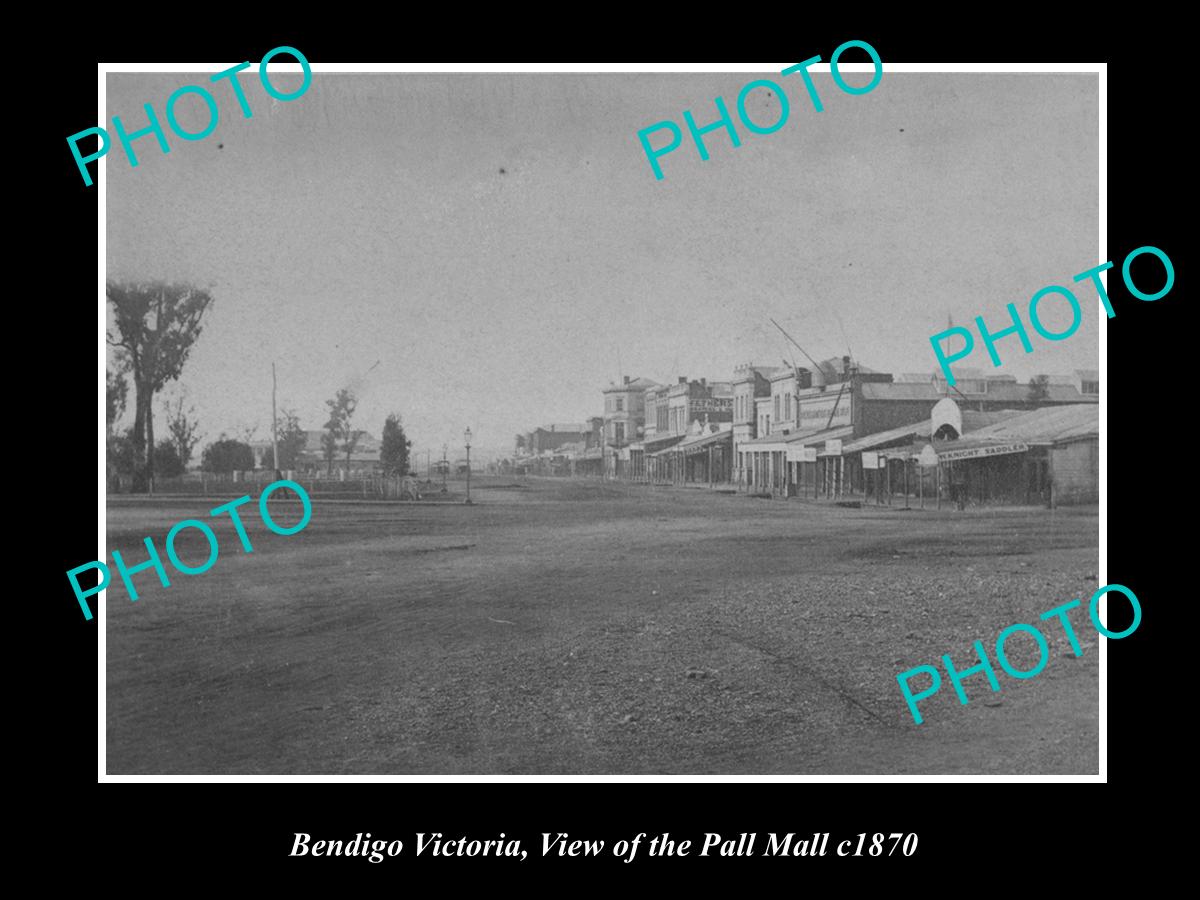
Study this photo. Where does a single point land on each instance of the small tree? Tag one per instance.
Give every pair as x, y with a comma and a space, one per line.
339, 435
226, 455
292, 440
394, 452
167, 463
1039, 387
182, 429
120, 453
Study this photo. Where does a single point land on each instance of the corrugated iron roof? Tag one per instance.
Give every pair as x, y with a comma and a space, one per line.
870, 441
1049, 425
1004, 392
972, 421
696, 442
665, 440
807, 438
635, 384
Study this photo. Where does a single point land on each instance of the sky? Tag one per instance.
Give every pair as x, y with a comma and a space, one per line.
499, 245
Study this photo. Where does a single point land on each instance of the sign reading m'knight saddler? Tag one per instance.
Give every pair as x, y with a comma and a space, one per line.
976, 452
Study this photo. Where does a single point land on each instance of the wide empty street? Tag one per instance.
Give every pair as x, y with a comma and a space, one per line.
562, 626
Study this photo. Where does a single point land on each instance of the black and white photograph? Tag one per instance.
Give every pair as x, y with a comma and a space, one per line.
604, 421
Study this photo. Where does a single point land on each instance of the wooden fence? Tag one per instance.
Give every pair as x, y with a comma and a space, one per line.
365, 485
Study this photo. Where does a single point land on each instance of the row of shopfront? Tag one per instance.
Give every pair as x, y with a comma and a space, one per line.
1046, 456
958, 451
703, 456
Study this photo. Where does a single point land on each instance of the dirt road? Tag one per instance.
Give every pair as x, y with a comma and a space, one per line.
572, 627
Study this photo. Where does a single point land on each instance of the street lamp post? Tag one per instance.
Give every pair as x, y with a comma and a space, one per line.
467, 441
445, 466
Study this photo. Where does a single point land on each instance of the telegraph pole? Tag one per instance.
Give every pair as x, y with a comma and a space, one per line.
274, 425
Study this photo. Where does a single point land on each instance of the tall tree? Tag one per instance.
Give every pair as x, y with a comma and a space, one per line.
116, 390
394, 452
329, 447
339, 433
182, 429
116, 445
156, 324
348, 446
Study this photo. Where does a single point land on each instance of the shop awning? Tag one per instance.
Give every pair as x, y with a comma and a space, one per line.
871, 441
779, 443
662, 444
701, 443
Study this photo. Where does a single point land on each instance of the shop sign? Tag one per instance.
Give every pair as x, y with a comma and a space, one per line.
977, 452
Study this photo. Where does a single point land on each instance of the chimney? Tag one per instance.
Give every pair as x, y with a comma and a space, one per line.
683, 379
627, 377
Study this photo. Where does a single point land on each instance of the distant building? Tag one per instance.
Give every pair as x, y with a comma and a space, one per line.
655, 408
552, 437
364, 458
560, 449
1087, 382
624, 421
805, 409
686, 411
750, 383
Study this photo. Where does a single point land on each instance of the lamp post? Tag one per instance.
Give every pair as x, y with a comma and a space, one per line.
467, 441
445, 466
